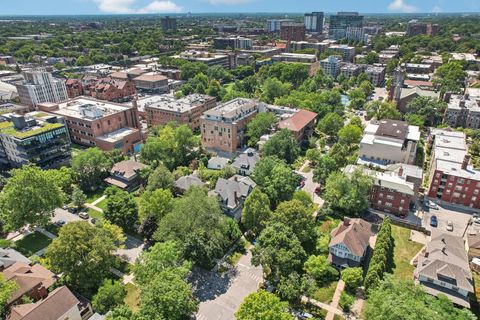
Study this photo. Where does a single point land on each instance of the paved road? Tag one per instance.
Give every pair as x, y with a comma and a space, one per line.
310, 186
459, 218
220, 296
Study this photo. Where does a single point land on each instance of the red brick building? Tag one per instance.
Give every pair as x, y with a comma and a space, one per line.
74, 88
108, 89
301, 124
292, 32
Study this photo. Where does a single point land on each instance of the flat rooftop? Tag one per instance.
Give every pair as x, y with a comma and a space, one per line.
117, 135
88, 109
169, 103
232, 109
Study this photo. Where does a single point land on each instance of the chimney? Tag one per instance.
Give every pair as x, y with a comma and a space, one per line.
465, 162
235, 178
235, 195
400, 171
346, 221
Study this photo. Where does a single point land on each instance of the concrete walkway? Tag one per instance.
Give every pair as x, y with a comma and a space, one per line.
46, 233
335, 300
91, 206
94, 203
323, 306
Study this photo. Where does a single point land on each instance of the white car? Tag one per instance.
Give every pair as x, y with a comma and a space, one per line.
449, 225
432, 205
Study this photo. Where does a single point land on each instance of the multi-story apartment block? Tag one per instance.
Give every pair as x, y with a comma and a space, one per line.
292, 31
295, 57
351, 70
463, 111
331, 66
394, 190
232, 43
341, 21
452, 179
74, 88
376, 75
105, 125
356, 34
419, 68
228, 61
35, 137
344, 50
168, 23
273, 25
442, 268
224, 127
151, 83
415, 27
187, 110
5, 60
39, 87
314, 22
301, 45
388, 142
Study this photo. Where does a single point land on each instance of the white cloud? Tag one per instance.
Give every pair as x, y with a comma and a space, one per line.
228, 2
401, 6
128, 6
437, 9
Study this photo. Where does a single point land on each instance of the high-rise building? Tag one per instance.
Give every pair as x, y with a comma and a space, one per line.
340, 22
168, 23
331, 66
232, 43
273, 25
292, 32
415, 27
40, 86
314, 22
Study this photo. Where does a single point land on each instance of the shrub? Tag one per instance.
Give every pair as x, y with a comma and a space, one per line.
346, 301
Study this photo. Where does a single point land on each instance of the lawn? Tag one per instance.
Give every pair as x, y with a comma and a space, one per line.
325, 293
94, 195
133, 296
475, 304
94, 213
102, 204
32, 243
52, 228
404, 251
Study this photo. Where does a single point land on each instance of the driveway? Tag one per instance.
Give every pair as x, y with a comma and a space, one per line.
220, 295
459, 217
310, 185
61, 214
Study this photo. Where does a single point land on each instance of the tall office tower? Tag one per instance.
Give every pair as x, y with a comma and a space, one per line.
340, 22
40, 86
314, 22
169, 23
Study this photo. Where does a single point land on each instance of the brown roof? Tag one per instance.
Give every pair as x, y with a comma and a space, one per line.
127, 168
418, 83
473, 240
298, 121
392, 129
58, 302
354, 234
28, 277
119, 75
151, 77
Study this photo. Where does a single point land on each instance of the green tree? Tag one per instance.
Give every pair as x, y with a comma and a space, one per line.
330, 125
259, 126
122, 312
109, 296
160, 178
357, 98
282, 145
29, 197
278, 251
63, 178
450, 77
430, 109
299, 218
121, 208
90, 166
394, 299
190, 69
197, 222
304, 197
84, 254
348, 194
78, 197
263, 306
325, 166
350, 135
155, 203
353, 278
372, 57
7, 288
167, 296
383, 110
273, 88
319, 268
256, 211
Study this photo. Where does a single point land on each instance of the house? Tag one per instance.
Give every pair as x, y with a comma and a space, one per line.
301, 124
472, 244
60, 304
33, 281
217, 163
388, 142
245, 163
232, 194
349, 243
125, 175
182, 184
442, 268
8, 257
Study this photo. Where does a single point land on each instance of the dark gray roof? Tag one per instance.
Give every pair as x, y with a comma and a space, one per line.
9, 256
185, 182
246, 160
236, 185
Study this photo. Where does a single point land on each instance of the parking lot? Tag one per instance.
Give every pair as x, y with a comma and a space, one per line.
459, 217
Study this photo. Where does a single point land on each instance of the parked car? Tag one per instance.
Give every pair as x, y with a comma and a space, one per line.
60, 223
449, 225
434, 221
432, 205
302, 183
94, 220
72, 210
318, 190
83, 215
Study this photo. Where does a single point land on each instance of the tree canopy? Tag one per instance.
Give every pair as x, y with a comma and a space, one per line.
91, 166
263, 306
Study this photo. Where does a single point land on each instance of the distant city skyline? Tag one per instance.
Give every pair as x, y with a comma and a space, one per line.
72, 7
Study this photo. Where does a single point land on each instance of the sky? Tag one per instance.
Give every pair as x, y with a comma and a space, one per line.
59, 7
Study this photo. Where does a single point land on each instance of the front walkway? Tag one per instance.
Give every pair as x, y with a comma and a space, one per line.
335, 299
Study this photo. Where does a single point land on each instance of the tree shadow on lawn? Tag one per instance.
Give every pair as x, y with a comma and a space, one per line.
207, 285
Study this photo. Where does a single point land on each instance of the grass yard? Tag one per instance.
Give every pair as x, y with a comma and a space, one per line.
94, 213
102, 204
404, 251
53, 228
133, 296
325, 294
94, 195
32, 243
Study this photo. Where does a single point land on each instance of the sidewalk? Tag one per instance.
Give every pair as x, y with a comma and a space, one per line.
335, 300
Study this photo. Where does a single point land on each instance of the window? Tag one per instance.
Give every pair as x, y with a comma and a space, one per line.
109, 122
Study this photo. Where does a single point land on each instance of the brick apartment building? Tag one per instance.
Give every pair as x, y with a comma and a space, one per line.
105, 125
107, 88
292, 32
452, 179
301, 124
74, 88
224, 127
187, 110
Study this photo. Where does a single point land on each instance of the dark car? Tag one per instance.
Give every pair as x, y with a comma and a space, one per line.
318, 190
434, 221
